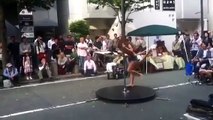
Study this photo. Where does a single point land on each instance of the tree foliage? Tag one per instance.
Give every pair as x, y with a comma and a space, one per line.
130, 6
80, 28
30, 4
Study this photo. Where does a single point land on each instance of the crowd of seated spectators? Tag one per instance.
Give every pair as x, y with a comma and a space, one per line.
37, 57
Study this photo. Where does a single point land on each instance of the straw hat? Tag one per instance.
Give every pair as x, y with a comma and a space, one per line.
9, 65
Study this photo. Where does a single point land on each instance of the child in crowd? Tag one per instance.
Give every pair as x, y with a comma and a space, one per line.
28, 67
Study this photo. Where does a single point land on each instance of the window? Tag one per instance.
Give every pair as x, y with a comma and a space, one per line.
169, 5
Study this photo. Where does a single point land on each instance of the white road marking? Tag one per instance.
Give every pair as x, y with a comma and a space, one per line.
175, 85
45, 109
82, 102
54, 82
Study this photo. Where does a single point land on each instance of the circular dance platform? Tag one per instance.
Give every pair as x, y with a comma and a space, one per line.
130, 95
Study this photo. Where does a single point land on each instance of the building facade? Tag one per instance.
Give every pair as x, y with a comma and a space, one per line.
100, 20
189, 15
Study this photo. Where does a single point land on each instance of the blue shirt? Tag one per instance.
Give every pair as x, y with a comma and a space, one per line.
10, 74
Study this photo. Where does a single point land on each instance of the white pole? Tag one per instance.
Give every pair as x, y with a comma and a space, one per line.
184, 45
146, 58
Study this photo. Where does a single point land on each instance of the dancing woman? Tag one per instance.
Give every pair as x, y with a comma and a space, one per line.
134, 65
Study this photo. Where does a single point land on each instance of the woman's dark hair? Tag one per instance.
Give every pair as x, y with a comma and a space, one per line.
96, 37
22, 38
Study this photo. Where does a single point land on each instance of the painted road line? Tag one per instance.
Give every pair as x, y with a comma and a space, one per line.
83, 102
54, 82
46, 109
175, 85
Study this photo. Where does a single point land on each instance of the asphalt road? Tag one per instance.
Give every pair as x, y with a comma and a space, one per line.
74, 99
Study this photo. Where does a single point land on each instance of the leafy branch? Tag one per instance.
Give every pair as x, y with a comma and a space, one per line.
130, 6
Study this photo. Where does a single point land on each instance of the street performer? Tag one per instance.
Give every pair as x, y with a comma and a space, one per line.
134, 58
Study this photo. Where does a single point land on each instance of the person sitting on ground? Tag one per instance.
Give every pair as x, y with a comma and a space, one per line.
73, 59
44, 69
89, 67
117, 60
11, 73
206, 72
62, 64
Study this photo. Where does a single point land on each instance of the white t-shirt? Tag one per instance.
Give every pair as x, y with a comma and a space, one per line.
205, 53
89, 65
104, 46
82, 49
196, 44
50, 43
88, 41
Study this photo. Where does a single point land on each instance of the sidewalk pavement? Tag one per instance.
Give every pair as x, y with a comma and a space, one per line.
55, 78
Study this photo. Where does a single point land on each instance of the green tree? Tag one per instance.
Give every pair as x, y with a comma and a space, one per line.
130, 6
29, 4
79, 28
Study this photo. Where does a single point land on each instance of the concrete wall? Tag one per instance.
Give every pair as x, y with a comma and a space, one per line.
80, 9
42, 17
190, 9
77, 9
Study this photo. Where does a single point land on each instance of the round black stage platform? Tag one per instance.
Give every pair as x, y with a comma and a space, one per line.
132, 94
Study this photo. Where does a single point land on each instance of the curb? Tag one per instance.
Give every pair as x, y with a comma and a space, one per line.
56, 78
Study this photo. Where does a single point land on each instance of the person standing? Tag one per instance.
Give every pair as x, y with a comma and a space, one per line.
207, 39
115, 41
176, 46
69, 44
28, 67
50, 42
40, 48
13, 48
185, 48
88, 40
196, 42
24, 50
109, 43
82, 52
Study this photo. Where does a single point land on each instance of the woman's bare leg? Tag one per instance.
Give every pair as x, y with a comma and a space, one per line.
136, 72
132, 79
132, 73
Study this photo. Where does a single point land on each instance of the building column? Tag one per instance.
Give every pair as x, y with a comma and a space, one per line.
210, 15
63, 16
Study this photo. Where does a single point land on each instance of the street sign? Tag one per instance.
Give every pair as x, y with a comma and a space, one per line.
28, 35
26, 23
157, 4
25, 18
28, 29
26, 12
169, 5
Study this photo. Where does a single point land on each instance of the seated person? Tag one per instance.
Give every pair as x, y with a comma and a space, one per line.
161, 50
116, 60
205, 73
202, 56
11, 73
161, 58
89, 67
62, 64
44, 69
72, 60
